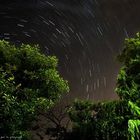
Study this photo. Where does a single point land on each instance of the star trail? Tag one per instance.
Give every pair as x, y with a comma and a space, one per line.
86, 36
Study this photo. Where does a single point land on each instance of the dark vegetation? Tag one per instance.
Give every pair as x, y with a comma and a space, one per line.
30, 85
114, 120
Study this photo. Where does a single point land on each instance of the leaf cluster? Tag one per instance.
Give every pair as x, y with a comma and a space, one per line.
29, 82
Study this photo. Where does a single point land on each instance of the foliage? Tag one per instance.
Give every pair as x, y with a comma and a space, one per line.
134, 129
117, 119
128, 83
29, 82
103, 120
134, 124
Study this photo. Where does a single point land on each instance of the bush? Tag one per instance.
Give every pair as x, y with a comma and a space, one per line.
100, 121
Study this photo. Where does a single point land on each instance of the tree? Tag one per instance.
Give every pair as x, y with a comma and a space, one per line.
29, 82
117, 119
128, 83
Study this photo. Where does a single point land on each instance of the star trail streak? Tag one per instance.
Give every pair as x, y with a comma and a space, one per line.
86, 36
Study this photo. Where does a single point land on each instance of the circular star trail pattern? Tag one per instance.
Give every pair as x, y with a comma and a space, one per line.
86, 36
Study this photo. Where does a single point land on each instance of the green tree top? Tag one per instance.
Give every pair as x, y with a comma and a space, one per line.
128, 82
29, 81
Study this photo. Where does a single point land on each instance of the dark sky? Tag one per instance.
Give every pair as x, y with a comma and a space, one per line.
86, 36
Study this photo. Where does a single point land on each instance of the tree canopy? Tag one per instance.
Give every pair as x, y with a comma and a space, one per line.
128, 82
29, 82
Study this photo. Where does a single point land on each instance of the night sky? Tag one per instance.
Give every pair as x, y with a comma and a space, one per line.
85, 35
